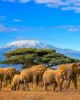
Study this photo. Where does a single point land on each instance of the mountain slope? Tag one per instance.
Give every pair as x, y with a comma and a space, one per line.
37, 44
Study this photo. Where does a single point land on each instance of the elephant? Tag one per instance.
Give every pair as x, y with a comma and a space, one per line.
55, 77
71, 73
16, 82
26, 77
33, 74
7, 74
38, 72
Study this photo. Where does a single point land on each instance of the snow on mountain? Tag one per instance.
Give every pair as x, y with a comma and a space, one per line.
25, 43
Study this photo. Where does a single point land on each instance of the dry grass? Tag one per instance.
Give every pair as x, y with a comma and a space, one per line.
21, 95
40, 94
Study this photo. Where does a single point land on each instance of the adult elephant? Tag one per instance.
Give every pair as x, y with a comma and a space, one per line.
71, 73
38, 72
7, 74
55, 77
33, 74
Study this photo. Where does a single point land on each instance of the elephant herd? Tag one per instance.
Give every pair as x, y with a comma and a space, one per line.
40, 74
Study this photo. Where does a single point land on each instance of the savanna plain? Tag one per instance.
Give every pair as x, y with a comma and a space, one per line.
40, 94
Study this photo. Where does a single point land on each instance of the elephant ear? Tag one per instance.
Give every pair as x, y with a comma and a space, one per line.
74, 66
78, 64
78, 70
6, 75
12, 70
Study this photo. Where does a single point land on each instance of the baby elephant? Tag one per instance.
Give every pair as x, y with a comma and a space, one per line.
55, 77
16, 82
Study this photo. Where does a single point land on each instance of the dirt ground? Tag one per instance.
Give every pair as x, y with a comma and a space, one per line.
21, 95
40, 94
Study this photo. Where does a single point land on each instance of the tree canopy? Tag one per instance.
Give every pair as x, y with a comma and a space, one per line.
32, 56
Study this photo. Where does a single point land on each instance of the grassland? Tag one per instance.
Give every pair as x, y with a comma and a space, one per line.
40, 94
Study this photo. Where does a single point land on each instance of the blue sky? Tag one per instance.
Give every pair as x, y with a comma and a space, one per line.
55, 22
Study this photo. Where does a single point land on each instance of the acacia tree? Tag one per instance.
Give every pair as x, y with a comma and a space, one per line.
32, 56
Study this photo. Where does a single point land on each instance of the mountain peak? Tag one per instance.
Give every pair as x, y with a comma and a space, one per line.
26, 44
23, 42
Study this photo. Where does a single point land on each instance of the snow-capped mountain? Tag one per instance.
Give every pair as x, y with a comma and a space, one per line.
36, 44
26, 43
23, 44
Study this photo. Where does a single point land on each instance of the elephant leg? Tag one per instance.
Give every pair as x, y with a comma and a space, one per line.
61, 83
18, 85
5, 80
41, 84
45, 87
21, 85
25, 86
10, 81
5, 83
55, 86
57, 78
14, 88
75, 82
68, 83
0, 85
35, 80
45, 84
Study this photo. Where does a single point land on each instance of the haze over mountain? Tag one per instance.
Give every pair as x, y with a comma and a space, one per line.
36, 44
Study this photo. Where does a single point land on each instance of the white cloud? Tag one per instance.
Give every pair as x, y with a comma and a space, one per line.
22, 1
13, 29
9, 0
64, 5
2, 18
17, 20
72, 28
47, 1
76, 9
19, 38
7, 29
